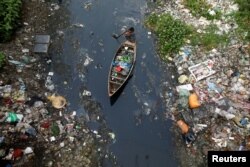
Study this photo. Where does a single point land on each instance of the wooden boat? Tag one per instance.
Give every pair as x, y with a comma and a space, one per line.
121, 67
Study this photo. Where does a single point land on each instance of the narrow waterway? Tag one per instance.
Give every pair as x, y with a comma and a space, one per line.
142, 135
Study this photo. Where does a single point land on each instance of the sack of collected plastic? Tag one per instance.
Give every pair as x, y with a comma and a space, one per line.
57, 101
193, 100
183, 126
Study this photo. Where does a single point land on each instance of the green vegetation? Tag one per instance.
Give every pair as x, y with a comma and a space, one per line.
242, 17
202, 8
209, 39
2, 59
10, 11
171, 33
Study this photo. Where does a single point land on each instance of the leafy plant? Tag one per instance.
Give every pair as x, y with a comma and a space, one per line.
202, 8
2, 59
242, 17
210, 39
170, 33
10, 11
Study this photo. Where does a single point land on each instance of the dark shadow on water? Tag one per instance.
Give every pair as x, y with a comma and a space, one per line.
118, 93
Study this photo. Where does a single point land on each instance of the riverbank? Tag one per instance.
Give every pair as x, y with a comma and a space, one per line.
35, 131
70, 141
219, 76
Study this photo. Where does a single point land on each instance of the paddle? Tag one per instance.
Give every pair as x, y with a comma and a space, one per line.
116, 37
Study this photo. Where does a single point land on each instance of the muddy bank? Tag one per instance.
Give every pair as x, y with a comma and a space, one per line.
218, 117
34, 130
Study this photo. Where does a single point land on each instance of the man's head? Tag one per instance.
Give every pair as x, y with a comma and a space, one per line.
131, 29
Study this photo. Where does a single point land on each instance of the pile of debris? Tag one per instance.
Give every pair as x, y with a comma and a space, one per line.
32, 124
212, 108
36, 128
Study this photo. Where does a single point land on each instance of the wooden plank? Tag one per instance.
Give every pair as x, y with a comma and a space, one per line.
118, 78
115, 83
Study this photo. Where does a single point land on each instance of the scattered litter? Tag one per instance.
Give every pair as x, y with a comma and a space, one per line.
188, 87
57, 101
202, 70
79, 25
28, 150
86, 93
88, 60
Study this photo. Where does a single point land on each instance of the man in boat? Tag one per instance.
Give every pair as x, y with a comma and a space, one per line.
130, 35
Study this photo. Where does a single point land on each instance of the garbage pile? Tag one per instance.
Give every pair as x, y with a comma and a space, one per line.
30, 124
179, 11
214, 100
213, 90
223, 86
36, 128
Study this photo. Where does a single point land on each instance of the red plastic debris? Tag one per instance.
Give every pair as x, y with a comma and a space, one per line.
45, 125
118, 68
17, 153
8, 101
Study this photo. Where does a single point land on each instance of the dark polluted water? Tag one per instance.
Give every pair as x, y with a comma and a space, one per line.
136, 116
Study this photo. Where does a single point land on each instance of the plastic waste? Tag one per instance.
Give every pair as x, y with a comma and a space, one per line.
244, 121
28, 150
55, 130
86, 93
17, 153
49, 83
57, 101
22, 85
193, 101
182, 79
78, 25
87, 61
62, 144
52, 138
18, 63
13, 117
214, 87
183, 126
220, 142
112, 135
183, 97
188, 87
71, 138
38, 104
31, 131
45, 124
25, 50
225, 114
184, 92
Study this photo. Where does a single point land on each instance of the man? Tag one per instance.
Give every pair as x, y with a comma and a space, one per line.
130, 35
